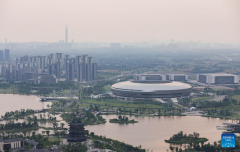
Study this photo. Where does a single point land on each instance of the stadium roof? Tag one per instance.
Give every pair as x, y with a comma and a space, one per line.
150, 87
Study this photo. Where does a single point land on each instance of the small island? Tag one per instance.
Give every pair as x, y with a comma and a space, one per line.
181, 138
122, 119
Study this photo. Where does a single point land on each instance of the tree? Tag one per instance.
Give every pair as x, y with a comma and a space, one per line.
159, 111
92, 133
48, 132
33, 134
62, 124
120, 117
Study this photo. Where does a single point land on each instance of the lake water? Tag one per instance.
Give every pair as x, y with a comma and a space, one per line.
12, 102
150, 132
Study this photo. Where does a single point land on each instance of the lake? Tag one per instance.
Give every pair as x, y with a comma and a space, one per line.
12, 102
150, 132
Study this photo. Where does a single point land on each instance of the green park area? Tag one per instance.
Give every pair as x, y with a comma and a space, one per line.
107, 88
107, 75
54, 139
202, 98
118, 103
236, 97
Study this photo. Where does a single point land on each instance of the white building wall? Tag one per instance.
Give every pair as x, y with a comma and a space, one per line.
1, 146
236, 79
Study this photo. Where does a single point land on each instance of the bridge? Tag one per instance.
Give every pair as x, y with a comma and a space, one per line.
56, 98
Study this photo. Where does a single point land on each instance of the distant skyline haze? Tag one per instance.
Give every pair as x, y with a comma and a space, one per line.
120, 20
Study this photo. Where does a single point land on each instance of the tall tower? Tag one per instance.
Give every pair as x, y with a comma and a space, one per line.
66, 36
7, 55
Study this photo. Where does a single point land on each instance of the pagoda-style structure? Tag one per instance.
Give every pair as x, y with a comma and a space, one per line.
76, 131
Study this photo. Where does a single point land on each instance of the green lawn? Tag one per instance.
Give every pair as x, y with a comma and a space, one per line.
107, 88
118, 103
202, 98
66, 91
236, 97
108, 75
54, 139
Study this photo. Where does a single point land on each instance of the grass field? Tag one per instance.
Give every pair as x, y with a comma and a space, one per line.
202, 98
108, 75
107, 88
55, 139
236, 97
118, 103
66, 91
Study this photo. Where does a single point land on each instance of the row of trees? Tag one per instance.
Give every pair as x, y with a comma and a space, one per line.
18, 113
181, 135
218, 112
213, 104
17, 126
103, 143
88, 118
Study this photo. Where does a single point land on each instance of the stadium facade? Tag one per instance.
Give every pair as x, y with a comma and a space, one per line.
218, 78
151, 89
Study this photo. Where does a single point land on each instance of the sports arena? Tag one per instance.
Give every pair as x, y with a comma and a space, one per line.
151, 89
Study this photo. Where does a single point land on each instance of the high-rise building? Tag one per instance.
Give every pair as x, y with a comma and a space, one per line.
1, 55
66, 36
70, 71
29, 68
51, 69
78, 60
79, 72
94, 71
59, 59
7, 55
50, 59
66, 57
58, 69
84, 62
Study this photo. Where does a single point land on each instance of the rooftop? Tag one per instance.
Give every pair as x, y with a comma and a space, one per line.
217, 74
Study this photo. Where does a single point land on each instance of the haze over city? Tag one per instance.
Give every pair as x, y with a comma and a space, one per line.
120, 21
119, 75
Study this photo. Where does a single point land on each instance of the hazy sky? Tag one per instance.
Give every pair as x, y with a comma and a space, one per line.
120, 20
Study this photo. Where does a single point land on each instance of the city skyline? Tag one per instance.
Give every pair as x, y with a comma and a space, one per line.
208, 21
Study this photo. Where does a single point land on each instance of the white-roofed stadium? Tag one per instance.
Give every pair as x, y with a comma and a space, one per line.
151, 89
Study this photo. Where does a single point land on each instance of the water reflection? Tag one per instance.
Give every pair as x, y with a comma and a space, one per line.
151, 132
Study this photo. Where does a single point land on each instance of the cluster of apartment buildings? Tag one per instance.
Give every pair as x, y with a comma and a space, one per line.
50, 69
